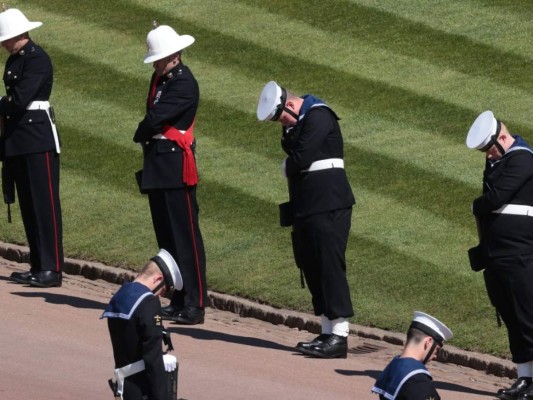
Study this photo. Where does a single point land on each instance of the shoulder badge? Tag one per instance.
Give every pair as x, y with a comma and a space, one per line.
158, 320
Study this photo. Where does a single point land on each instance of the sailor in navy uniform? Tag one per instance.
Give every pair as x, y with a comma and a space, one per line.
169, 174
137, 333
29, 149
504, 213
319, 209
406, 377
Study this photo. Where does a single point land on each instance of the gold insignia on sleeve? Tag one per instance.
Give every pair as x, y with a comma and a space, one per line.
158, 320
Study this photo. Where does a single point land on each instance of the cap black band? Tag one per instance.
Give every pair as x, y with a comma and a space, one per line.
428, 331
281, 106
167, 276
494, 139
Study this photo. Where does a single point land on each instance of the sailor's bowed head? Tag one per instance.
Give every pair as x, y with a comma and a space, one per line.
431, 326
271, 102
170, 270
484, 132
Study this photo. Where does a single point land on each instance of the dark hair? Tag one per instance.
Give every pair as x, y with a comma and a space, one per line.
415, 335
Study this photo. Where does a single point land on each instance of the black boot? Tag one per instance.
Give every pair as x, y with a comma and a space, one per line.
334, 346
516, 389
170, 312
302, 346
528, 394
20, 277
46, 279
189, 316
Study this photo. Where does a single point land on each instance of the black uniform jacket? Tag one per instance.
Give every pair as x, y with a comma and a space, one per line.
317, 136
175, 103
508, 181
140, 338
418, 387
28, 76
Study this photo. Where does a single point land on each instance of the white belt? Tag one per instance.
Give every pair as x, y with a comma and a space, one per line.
515, 209
325, 164
124, 372
45, 106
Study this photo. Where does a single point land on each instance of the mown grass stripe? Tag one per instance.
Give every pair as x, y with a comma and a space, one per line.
412, 39
509, 23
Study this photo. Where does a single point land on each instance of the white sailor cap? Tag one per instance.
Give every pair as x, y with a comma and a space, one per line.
170, 270
431, 326
271, 102
484, 132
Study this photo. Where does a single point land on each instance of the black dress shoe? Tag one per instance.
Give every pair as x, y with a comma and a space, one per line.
302, 346
169, 312
20, 277
334, 346
190, 316
528, 394
517, 388
45, 279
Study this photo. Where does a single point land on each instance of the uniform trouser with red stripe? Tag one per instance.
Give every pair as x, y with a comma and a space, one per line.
175, 218
319, 244
37, 183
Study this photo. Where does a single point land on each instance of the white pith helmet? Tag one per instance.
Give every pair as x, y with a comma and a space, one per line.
164, 41
14, 23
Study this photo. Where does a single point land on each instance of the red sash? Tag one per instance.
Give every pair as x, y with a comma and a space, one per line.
182, 139
185, 141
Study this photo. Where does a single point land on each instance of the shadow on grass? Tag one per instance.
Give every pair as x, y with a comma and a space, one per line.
451, 387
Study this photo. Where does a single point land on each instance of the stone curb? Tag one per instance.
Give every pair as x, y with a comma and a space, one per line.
245, 308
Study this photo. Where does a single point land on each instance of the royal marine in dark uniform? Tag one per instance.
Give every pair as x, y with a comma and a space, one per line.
29, 149
319, 209
142, 370
169, 174
504, 213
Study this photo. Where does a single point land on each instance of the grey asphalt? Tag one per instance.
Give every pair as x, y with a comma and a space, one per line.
53, 346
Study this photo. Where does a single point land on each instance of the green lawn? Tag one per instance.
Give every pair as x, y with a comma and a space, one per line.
407, 78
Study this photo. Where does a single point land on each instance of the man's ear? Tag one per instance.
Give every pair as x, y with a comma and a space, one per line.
158, 278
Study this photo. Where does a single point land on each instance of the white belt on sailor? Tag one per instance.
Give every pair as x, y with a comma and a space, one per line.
325, 164
515, 209
45, 106
124, 372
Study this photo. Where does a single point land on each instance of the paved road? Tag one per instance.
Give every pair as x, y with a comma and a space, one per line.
54, 346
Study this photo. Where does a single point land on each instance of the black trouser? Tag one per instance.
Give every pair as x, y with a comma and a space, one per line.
37, 183
319, 243
175, 219
509, 283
